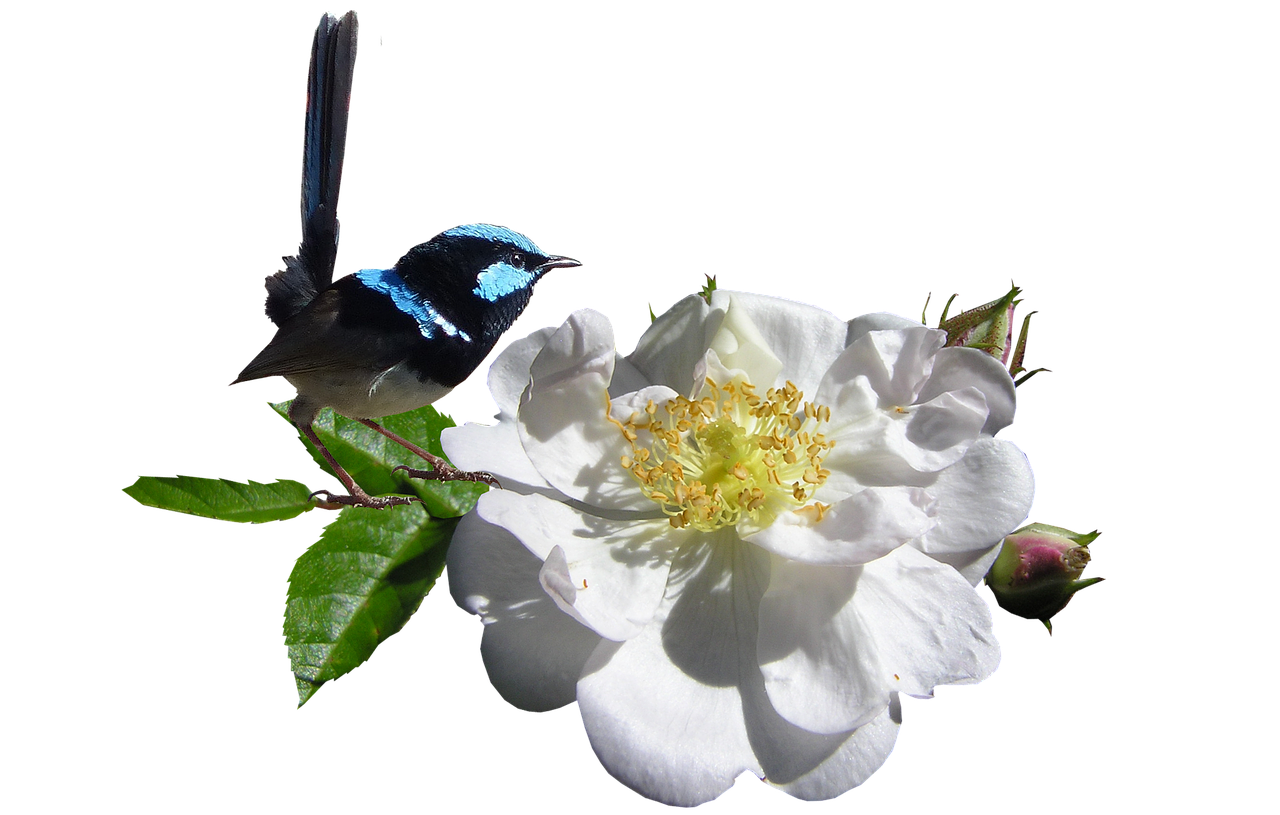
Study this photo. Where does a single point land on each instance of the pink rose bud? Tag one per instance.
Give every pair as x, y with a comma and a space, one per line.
989, 328
1038, 571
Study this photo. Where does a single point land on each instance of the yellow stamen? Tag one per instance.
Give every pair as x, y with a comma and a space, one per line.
710, 461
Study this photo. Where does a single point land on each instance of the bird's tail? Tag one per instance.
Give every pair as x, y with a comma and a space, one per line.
333, 60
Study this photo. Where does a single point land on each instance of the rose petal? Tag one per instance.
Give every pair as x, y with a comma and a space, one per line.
854, 530
663, 710
495, 450
626, 377
509, 374
616, 485
804, 355
896, 363
533, 652
945, 424
957, 368
979, 500
581, 347
859, 755
556, 581
883, 447
618, 567
740, 346
880, 321
820, 666
563, 425
932, 627
675, 342
679, 711
834, 644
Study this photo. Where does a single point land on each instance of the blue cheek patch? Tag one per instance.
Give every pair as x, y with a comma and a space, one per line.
501, 279
387, 282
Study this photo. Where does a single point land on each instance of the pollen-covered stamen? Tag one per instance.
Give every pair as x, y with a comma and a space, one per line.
729, 454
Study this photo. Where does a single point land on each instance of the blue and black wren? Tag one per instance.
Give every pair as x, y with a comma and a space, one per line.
382, 341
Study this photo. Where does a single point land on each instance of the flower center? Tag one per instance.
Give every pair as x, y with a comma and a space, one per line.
710, 462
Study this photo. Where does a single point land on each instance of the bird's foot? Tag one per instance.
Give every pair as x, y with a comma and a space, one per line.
447, 473
327, 500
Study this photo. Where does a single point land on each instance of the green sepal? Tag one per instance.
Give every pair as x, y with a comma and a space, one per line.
986, 327
707, 288
1078, 538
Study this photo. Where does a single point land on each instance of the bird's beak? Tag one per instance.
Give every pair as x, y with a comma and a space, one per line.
558, 262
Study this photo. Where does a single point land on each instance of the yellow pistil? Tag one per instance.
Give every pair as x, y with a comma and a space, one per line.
729, 454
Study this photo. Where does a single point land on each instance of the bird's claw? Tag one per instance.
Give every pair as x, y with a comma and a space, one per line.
331, 501
451, 474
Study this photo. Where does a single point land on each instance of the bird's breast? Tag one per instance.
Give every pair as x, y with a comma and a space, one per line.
370, 394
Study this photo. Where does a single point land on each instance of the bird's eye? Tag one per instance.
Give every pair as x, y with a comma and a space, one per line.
517, 260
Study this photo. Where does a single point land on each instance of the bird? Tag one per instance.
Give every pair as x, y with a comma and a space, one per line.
382, 341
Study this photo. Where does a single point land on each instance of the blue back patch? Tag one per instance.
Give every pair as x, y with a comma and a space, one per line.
386, 281
501, 279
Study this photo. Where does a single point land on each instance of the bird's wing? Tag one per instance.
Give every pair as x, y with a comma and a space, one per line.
320, 339
333, 60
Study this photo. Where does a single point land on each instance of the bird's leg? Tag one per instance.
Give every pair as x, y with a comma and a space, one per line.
357, 497
442, 471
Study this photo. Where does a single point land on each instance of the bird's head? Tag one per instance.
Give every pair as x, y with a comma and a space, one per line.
478, 270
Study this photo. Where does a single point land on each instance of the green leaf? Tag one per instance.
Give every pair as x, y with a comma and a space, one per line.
223, 499
371, 457
358, 585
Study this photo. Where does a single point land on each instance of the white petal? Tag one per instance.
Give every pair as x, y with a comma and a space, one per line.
852, 401
534, 653
617, 568
854, 530
564, 428
582, 346
896, 362
495, 450
892, 365
858, 756
923, 438
957, 368
678, 712
711, 367
979, 500
932, 627
675, 342
664, 710
614, 486
817, 655
804, 338
626, 377
834, 644
740, 346
556, 581
879, 321
509, 374
946, 423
